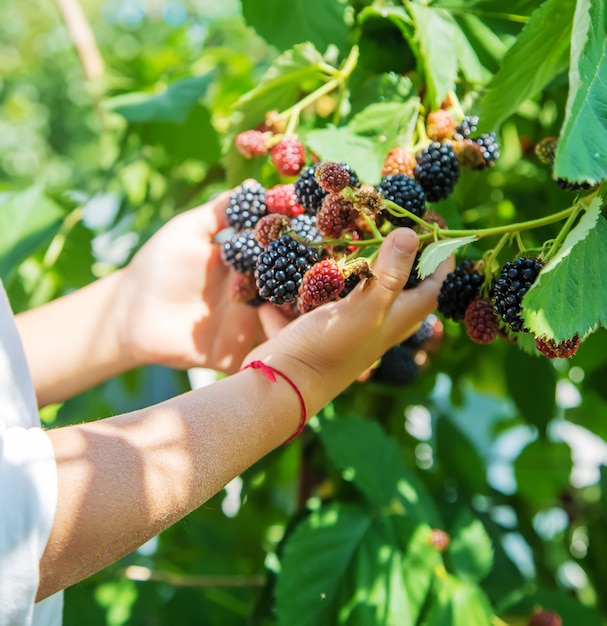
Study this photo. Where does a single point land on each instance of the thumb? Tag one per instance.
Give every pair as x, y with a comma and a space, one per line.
395, 262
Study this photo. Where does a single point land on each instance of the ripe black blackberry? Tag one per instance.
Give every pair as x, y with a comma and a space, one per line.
513, 282
437, 171
407, 193
413, 280
490, 150
304, 226
246, 205
461, 286
569, 185
467, 127
397, 366
241, 251
310, 194
423, 334
280, 269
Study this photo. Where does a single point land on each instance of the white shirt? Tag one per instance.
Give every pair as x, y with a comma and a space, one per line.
28, 487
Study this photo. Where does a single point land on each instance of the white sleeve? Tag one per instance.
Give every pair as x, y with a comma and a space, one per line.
28, 499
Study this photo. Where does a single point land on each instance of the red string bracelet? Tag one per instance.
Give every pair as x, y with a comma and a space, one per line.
270, 373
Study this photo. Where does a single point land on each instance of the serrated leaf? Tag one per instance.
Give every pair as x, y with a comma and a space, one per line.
542, 472
316, 558
566, 299
536, 405
438, 251
373, 462
342, 565
470, 549
284, 24
581, 154
172, 105
538, 55
435, 33
341, 144
28, 220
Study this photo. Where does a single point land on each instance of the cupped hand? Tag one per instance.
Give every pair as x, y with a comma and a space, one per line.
325, 350
174, 298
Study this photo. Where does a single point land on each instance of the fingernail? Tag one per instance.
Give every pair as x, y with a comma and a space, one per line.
405, 242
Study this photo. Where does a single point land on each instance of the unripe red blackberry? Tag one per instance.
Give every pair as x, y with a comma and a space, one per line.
563, 350
405, 192
513, 282
470, 155
437, 171
270, 227
280, 269
440, 125
440, 539
397, 366
282, 199
288, 156
480, 322
336, 215
398, 161
241, 251
251, 143
310, 194
246, 205
332, 177
322, 283
542, 617
459, 289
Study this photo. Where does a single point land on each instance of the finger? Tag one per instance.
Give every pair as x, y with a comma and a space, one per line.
413, 305
272, 319
394, 264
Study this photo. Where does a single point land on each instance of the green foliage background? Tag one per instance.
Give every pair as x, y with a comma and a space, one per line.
503, 450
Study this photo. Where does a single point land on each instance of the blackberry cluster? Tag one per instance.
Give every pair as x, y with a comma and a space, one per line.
280, 269
241, 252
246, 206
407, 193
467, 127
459, 289
397, 366
437, 171
490, 150
308, 192
515, 279
304, 227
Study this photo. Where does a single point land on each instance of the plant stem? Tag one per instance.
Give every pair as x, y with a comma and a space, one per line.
399, 211
556, 244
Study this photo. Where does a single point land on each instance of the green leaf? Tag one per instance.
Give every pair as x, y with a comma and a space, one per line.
438, 251
536, 404
387, 122
435, 32
458, 457
28, 220
172, 105
559, 304
581, 154
342, 565
316, 557
470, 549
542, 472
284, 24
539, 54
373, 462
458, 603
341, 144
